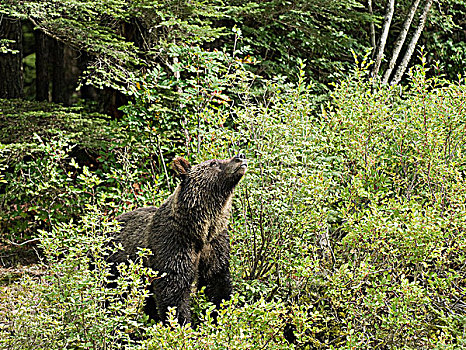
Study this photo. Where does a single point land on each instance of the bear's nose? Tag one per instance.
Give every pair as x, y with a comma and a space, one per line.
240, 156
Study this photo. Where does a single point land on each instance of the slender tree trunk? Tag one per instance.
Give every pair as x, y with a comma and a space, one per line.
412, 45
42, 66
383, 36
58, 73
400, 41
11, 64
372, 27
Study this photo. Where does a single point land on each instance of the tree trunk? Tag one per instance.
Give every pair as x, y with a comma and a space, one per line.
412, 45
400, 41
71, 74
383, 36
58, 73
42, 66
372, 27
11, 64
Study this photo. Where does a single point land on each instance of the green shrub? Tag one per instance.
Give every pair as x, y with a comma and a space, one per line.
65, 307
357, 214
399, 278
348, 226
175, 109
282, 205
55, 161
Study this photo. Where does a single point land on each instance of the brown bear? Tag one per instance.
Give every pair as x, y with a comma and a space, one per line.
187, 235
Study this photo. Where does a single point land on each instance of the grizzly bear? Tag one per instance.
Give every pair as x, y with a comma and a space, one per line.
187, 236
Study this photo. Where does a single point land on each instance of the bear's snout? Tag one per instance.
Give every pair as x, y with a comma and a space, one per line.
240, 160
238, 164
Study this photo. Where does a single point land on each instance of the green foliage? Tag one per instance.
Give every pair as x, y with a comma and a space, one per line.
239, 326
122, 36
5, 46
21, 120
176, 112
445, 39
66, 306
281, 33
406, 146
400, 268
69, 306
349, 224
52, 155
358, 213
282, 202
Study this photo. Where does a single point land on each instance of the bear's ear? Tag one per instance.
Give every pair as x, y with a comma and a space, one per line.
181, 166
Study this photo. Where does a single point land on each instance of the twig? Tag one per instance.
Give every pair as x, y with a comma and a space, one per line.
25, 242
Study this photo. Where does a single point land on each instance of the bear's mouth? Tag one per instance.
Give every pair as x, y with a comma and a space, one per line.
237, 165
242, 167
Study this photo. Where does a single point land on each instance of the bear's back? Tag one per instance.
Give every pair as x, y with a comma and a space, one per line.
132, 235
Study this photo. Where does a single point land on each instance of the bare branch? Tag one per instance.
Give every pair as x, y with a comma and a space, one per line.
23, 243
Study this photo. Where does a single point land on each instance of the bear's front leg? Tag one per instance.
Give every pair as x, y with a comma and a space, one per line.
214, 269
174, 288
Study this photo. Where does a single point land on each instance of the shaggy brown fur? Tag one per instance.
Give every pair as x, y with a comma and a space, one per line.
187, 235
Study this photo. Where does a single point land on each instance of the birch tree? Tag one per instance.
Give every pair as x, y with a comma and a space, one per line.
384, 36
412, 45
400, 41
372, 26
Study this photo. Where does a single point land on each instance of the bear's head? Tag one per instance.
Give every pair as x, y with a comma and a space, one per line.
212, 181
